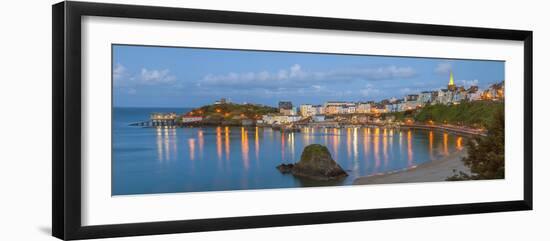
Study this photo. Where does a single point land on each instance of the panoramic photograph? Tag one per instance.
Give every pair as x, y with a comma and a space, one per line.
199, 119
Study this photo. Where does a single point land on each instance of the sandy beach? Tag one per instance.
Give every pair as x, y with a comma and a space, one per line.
433, 171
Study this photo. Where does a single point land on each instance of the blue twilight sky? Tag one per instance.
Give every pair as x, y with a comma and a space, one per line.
191, 77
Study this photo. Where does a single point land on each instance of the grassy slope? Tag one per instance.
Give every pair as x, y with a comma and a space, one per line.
475, 114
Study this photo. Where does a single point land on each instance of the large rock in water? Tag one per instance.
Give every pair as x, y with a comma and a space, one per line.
317, 163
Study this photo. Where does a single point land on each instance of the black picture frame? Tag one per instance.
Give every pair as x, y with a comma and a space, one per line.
66, 127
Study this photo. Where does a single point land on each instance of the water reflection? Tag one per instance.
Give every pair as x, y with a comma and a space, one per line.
191, 149
201, 143
365, 151
244, 148
166, 145
335, 140
445, 144
459, 143
166, 142
409, 148
291, 145
306, 136
257, 144
376, 149
400, 143
283, 146
385, 147
219, 143
431, 143
355, 152
174, 143
377, 145
391, 139
348, 144
227, 146
159, 145
366, 146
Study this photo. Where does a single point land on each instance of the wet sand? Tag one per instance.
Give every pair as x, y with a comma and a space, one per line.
433, 171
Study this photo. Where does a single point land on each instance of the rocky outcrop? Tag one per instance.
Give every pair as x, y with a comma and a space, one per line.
315, 163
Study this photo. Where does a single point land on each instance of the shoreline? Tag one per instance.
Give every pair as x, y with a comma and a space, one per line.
447, 128
431, 171
441, 128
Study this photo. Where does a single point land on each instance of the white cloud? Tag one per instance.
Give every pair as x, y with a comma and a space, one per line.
296, 76
296, 71
124, 78
153, 77
317, 87
443, 68
119, 71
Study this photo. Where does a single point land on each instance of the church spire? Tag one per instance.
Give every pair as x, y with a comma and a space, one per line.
451, 85
451, 79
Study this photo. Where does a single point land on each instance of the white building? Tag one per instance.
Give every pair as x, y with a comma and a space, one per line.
220, 101
395, 106
363, 108
349, 110
339, 107
268, 119
425, 97
189, 119
307, 110
333, 109
280, 119
319, 109
444, 96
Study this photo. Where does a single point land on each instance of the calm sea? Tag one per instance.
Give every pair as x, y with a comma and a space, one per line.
150, 160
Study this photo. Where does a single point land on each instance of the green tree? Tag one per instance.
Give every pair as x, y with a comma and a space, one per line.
486, 154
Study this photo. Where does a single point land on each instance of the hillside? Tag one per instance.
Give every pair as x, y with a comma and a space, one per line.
230, 112
474, 114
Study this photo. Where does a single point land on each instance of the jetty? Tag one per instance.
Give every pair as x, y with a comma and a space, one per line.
158, 120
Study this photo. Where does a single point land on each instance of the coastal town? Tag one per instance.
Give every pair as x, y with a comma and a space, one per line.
291, 117
452, 95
